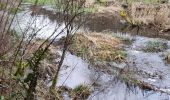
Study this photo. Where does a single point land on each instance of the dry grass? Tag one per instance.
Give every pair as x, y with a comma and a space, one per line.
96, 47
157, 15
162, 17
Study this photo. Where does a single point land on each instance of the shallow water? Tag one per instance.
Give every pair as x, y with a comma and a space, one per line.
150, 62
76, 71
40, 25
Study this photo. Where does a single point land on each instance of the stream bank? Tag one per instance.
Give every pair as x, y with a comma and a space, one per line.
141, 68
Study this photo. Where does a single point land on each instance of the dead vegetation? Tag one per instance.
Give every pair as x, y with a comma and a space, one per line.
131, 78
17, 84
97, 47
47, 69
92, 47
149, 14
32, 62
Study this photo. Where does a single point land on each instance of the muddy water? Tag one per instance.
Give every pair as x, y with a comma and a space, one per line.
75, 71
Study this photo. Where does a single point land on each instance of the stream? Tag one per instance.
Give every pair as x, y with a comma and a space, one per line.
76, 71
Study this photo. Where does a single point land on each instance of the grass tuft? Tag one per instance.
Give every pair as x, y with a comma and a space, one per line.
80, 92
155, 46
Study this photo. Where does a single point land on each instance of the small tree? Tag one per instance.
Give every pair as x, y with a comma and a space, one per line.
71, 10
